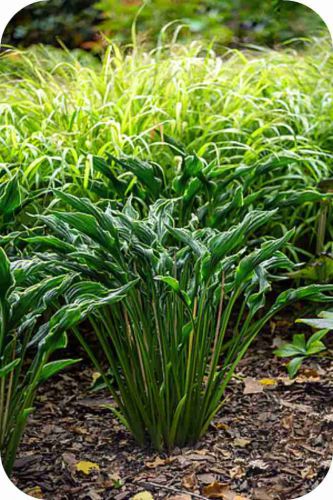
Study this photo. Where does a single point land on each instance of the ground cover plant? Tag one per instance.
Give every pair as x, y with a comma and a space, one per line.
303, 348
195, 301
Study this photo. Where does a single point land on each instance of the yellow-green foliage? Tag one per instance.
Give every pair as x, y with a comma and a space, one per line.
58, 107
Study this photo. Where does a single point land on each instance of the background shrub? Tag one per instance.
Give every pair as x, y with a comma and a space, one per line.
228, 21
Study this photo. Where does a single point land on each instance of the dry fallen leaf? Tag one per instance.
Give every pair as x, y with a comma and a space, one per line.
258, 464
190, 482
252, 386
311, 373
308, 375
237, 472
158, 461
220, 490
93, 495
286, 381
70, 461
308, 473
206, 478
226, 454
35, 492
241, 442
222, 426
202, 452
86, 467
262, 494
80, 430
287, 422
200, 455
143, 495
216, 490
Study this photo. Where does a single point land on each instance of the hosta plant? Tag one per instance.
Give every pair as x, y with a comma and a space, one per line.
219, 193
23, 368
27, 340
194, 303
323, 322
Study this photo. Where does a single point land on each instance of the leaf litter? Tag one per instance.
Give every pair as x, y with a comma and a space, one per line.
271, 440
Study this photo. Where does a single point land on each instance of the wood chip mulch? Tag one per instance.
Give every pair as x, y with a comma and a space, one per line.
271, 440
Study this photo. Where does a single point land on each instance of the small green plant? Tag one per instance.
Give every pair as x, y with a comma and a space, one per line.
195, 301
301, 349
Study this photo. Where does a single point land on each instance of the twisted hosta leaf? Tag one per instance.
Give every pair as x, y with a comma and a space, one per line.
87, 224
149, 175
36, 299
51, 242
6, 278
10, 197
314, 293
54, 367
252, 261
224, 243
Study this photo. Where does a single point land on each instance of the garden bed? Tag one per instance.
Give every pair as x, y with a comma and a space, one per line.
271, 440
161, 223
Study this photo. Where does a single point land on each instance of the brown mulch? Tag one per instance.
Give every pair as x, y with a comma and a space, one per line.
271, 440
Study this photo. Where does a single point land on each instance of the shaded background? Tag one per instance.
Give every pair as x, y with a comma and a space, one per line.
79, 23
